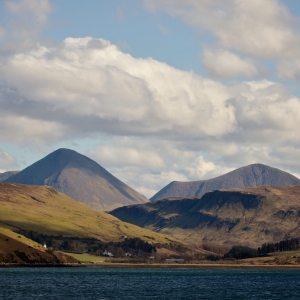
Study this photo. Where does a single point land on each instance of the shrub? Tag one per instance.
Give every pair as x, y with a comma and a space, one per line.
240, 252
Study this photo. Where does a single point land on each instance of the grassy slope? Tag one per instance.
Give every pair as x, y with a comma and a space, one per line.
44, 210
10, 240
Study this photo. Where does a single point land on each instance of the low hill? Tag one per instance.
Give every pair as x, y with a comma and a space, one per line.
249, 216
249, 176
6, 175
42, 209
80, 178
15, 248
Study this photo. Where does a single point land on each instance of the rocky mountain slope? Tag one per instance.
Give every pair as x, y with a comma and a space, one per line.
249, 216
80, 178
249, 176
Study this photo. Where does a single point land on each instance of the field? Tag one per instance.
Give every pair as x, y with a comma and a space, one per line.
86, 258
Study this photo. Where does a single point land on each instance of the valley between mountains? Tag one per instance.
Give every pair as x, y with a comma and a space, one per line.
62, 201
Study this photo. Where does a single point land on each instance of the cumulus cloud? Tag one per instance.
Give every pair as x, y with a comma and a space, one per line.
266, 113
150, 165
224, 64
110, 91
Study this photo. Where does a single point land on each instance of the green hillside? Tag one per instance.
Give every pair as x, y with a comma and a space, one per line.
44, 210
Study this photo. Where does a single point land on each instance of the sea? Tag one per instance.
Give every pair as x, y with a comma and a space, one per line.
148, 283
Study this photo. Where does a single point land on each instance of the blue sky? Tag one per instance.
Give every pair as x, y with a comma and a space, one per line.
154, 91
128, 25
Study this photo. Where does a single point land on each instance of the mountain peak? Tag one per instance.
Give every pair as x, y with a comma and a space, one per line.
80, 178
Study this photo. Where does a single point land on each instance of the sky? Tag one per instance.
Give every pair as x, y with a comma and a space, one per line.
152, 90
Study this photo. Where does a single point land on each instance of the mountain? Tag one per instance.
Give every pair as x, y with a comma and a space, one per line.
249, 176
80, 178
42, 209
4, 176
249, 216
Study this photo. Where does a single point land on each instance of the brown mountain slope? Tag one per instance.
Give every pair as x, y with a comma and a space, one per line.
44, 210
249, 216
80, 178
249, 176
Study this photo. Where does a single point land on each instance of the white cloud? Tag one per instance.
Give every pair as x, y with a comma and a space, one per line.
36, 9
224, 64
124, 156
94, 80
6, 161
23, 130
266, 113
27, 19
149, 165
262, 28
289, 69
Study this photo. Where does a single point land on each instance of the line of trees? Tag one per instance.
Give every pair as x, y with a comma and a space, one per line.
285, 245
135, 246
240, 252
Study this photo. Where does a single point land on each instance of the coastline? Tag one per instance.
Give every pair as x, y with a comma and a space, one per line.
153, 265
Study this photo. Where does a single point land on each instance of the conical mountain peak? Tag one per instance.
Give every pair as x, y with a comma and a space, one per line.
80, 178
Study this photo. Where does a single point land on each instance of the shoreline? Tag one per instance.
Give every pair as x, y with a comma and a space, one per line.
152, 266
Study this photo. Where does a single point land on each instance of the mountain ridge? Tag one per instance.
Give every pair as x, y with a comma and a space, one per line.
6, 175
249, 216
247, 176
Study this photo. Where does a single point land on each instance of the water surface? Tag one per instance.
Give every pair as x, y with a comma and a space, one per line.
157, 283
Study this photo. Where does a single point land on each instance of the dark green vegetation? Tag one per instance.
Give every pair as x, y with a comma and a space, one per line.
285, 245
249, 176
248, 217
240, 252
80, 178
132, 246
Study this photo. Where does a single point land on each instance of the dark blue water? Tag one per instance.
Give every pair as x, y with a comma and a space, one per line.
160, 283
